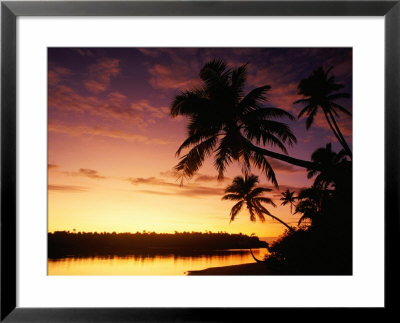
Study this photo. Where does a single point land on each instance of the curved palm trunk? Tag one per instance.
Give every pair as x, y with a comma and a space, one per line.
337, 133
333, 128
254, 257
344, 143
291, 207
279, 220
294, 161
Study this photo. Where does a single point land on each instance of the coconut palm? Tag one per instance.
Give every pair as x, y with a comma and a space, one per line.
320, 91
288, 198
310, 205
244, 191
224, 122
330, 163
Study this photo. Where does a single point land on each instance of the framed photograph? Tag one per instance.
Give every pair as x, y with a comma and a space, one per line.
162, 159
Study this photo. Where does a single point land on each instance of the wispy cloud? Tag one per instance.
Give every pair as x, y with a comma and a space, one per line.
115, 105
187, 190
170, 173
172, 77
100, 74
151, 181
67, 188
83, 130
206, 178
145, 107
193, 189
52, 166
196, 188
179, 68
86, 172
198, 178
83, 52
202, 191
56, 74
156, 192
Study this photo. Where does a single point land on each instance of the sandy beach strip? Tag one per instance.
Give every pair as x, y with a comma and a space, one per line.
244, 269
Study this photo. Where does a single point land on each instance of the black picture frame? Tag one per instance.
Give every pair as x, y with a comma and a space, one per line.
10, 10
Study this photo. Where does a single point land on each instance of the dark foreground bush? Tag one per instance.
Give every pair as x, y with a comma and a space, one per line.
312, 251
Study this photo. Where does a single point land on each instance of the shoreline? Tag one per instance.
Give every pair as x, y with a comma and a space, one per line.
250, 269
152, 251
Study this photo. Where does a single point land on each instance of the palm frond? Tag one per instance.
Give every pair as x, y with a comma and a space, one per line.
262, 208
236, 209
239, 77
280, 129
338, 96
267, 113
254, 98
304, 101
311, 173
215, 74
303, 218
188, 103
310, 118
232, 197
259, 213
197, 139
258, 191
342, 109
266, 200
306, 109
223, 156
262, 163
251, 212
191, 162
263, 137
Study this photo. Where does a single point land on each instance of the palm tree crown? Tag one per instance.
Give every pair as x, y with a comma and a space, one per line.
310, 205
320, 91
245, 192
225, 122
288, 198
330, 162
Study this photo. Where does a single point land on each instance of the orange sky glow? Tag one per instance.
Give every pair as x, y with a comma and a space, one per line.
112, 142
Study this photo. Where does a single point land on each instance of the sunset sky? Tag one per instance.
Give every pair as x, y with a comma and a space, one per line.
112, 142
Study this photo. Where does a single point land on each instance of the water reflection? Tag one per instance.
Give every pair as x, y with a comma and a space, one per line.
149, 263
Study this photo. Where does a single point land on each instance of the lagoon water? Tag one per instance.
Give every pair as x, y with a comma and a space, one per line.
150, 264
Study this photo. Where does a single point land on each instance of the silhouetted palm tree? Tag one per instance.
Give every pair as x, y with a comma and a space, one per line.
245, 192
225, 122
320, 91
288, 198
330, 162
310, 205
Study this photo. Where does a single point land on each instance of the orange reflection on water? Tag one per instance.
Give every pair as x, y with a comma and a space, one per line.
148, 265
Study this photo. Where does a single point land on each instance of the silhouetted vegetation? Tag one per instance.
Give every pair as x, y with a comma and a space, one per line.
232, 126
288, 197
323, 245
245, 192
65, 243
320, 91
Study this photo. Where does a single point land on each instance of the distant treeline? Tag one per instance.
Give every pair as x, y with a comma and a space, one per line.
65, 243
